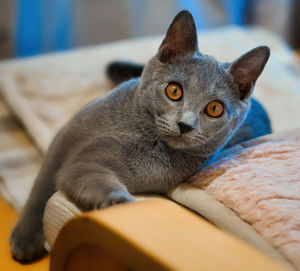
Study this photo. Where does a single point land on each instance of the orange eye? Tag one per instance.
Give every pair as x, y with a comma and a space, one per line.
214, 109
174, 91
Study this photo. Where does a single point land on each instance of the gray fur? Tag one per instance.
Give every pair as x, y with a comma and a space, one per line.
129, 142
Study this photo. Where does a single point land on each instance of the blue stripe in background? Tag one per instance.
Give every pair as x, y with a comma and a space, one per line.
236, 10
63, 34
196, 8
28, 27
43, 26
48, 25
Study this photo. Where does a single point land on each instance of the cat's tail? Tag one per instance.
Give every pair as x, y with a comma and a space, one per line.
27, 238
119, 71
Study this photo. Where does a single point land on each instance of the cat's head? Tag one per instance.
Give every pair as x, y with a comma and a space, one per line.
195, 99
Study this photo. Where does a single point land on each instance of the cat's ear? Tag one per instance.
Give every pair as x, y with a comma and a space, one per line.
247, 68
181, 38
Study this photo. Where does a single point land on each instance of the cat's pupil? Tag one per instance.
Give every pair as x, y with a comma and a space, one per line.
175, 91
214, 108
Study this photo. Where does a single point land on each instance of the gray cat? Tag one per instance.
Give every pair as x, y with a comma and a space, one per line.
148, 134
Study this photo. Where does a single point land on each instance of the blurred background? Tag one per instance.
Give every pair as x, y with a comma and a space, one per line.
32, 27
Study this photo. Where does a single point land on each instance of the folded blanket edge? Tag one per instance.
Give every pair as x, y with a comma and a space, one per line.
224, 218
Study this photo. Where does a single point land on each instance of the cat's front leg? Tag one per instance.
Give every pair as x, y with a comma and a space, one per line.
91, 186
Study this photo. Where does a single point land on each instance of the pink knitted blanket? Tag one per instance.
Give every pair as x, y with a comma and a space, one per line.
262, 185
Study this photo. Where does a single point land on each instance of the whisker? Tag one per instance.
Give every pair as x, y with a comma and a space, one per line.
162, 122
164, 118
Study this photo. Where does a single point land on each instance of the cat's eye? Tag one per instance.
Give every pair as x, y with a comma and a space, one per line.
214, 109
174, 91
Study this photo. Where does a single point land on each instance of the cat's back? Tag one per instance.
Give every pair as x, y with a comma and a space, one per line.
105, 108
103, 113
98, 118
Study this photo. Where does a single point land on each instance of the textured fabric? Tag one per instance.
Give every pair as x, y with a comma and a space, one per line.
58, 211
262, 185
220, 215
19, 160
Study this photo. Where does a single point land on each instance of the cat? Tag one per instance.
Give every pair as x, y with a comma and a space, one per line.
257, 122
147, 135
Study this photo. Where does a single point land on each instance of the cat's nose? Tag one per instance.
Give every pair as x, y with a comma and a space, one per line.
187, 122
184, 128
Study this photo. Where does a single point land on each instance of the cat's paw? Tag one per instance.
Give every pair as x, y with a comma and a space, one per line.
26, 246
116, 197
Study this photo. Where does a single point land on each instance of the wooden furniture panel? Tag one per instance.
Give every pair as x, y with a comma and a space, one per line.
151, 235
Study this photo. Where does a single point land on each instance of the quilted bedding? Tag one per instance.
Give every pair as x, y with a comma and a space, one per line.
262, 185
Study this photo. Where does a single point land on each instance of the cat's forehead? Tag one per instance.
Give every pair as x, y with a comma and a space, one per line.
204, 65
197, 71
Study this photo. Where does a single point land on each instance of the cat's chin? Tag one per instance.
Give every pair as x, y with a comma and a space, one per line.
179, 142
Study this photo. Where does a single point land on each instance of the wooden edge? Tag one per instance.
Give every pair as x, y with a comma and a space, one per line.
157, 235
